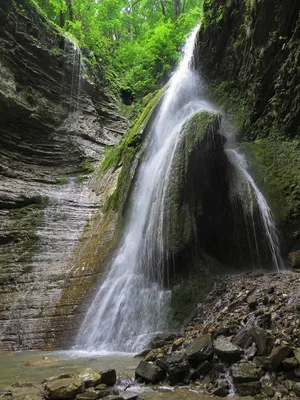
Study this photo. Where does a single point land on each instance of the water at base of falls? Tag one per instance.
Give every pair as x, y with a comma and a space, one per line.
131, 304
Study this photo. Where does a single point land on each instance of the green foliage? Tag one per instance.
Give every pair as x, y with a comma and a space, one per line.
137, 41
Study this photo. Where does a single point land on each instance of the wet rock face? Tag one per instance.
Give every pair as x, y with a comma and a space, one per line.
255, 46
249, 54
54, 125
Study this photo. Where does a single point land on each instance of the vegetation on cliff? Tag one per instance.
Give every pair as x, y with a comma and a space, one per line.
137, 41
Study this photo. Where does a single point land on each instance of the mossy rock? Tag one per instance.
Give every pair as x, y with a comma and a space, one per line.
178, 212
276, 168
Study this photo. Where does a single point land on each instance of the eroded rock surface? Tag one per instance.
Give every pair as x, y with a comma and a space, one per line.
54, 125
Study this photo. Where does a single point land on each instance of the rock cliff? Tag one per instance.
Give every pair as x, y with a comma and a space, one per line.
54, 124
248, 51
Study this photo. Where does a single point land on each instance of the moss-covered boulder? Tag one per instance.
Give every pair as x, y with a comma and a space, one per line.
198, 136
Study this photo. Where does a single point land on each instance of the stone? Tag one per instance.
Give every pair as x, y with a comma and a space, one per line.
106, 392
289, 384
297, 354
149, 372
263, 340
40, 362
160, 340
114, 397
248, 388
227, 350
202, 369
268, 390
296, 372
252, 302
244, 338
143, 353
294, 259
297, 388
290, 363
108, 377
221, 388
90, 377
64, 388
87, 396
177, 343
200, 349
152, 355
262, 362
176, 367
245, 372
278, 354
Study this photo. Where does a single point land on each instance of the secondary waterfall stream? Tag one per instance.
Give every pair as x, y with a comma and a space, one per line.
132, 302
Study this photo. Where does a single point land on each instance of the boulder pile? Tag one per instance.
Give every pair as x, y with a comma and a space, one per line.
88, 385
245, 338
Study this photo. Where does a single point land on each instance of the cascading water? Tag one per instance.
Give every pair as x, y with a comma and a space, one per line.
254, 195
132, 302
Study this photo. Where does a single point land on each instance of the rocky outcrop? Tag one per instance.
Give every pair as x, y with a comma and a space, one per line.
206, 353
211, 218
54, 125
249, 54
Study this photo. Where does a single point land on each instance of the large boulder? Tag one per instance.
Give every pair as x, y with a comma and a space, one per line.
149, 372
263, 340
177, 368
108, 377
161, 339
64, 388
90, 377
227, 350
278, 354
200, 349
245, 372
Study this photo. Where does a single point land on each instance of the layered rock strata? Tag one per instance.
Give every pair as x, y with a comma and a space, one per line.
54, 125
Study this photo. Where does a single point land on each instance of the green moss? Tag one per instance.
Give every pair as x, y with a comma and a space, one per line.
86, 167
130, 143
38, 203
276, 168
62, 181
178, 214
229, 98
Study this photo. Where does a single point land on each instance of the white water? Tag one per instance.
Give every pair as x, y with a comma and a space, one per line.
256, 197
132, 304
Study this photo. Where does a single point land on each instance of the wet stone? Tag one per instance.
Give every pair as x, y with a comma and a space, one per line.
64, 388
290, 363
245, 372
227, 350
87, 396
109, 377
263, 340
200, 349
149, 372
221, 388
252, 302
278, 355
248, 388
297, 388
244, 338
90, 377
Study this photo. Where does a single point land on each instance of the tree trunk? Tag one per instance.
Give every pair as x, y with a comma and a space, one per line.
70, 10
176, 8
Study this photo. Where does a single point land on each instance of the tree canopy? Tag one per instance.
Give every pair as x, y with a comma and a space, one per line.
138, 39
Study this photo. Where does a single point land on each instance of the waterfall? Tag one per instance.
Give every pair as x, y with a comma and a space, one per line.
255, 196
132, 301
